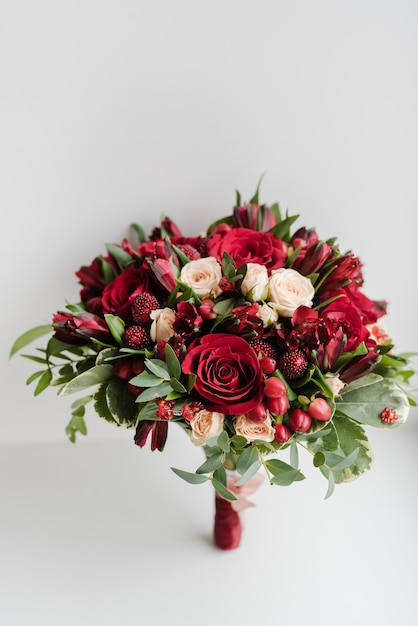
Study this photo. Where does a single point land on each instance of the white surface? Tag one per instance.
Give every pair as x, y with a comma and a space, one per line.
117, 112
104, 533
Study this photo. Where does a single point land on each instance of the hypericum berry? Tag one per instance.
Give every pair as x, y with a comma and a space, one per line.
299, 421
279, 405
264, 348
320, 409
274, 387
136, 337
268, 365
293, 364
258, 414
389, 416
281, 433
142, 306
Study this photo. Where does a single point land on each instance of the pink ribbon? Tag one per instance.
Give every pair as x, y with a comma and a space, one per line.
241, 492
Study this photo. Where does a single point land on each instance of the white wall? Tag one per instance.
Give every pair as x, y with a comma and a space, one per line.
114, 112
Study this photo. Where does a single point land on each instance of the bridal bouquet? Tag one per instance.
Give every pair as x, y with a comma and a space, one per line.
255, 339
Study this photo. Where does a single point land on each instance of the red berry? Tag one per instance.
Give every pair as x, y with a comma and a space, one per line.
136, 337
279, 405
293, 364
268, 364
281, 433
258, 414
274, 387
189, 251
300, 421
142, 306
320, 410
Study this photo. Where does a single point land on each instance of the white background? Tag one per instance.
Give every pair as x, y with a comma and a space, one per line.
119, 112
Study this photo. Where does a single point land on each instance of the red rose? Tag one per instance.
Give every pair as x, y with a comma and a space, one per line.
119, 295
248, 246
229, 377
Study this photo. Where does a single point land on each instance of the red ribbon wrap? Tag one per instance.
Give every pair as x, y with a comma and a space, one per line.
228, 523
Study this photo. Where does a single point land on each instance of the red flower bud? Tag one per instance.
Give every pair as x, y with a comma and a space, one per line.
320, 410
279, 405
281, 433
300, 421
258, 414
274, 387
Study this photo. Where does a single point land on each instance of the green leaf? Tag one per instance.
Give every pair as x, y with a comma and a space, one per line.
158, 368
254, 199
145, 379
122, 258
238, 442
121, 403
248, 456
281, 230
43, 382
74, 426
346, 443
34, 376
223, 442
319, 458
116, 326
331, 485
365, 402
178, 386
139, 232
220, 475
211, 464
222, 490
172, 361
284, 479
29, 337
194, 479
160, 391
94, 376
249, 473
294, 455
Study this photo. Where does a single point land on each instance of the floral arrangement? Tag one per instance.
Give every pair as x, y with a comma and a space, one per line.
256, 340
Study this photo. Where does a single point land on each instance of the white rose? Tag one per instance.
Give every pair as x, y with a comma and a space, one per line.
162, 324
252, 430
203, 276
288, 290
267, 315
335, 383
254, 284
204, 425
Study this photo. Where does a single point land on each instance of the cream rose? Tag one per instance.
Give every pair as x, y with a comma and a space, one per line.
252, 431
204, 425
335, 383
255, 282
162, 324
288, 290
203, 276
267, 315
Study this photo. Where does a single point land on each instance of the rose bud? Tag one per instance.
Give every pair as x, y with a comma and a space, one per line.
206, 309
258, 414
279, 405
300, 421
320, 410
268, 364
274, 387
281, 433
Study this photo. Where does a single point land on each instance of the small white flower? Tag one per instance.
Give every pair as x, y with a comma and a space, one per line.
267, 314
162, 324
288, 290
255, 282
203, 276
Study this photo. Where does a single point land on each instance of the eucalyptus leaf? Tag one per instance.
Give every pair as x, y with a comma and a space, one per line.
94, 376
223, 491
158, 368
194, 479
29, 337
153, 393
211, 464
249, 473
172, 361
246, 459
284, 479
